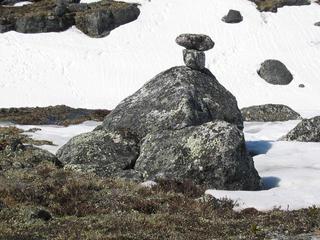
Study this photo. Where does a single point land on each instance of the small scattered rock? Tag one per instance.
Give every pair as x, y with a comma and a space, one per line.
317, 24
198, 42
194, 59
233, 16
302, 86
275, 72
269, 113
42, 214
308, 130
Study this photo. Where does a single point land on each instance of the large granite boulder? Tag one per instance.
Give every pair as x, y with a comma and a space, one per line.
175, 99
167, 128
275, 72
308, 130
269, 113
213, 154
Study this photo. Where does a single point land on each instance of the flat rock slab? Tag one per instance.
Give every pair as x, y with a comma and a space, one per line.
198, 42
269, 113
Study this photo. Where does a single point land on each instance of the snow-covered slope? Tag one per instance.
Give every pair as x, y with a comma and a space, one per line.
71, 68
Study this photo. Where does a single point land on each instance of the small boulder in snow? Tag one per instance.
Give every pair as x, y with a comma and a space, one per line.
317, 24
198, 42
308, 130
275, 72
269, 113
233, 16
194, 59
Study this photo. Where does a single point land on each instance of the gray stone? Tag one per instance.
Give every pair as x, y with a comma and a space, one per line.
317, 24
308, 130
106, 153
198, 42
269, 113
275, 72
233, 16
95, 24
194, 59
213, 154
43, 23
78, 7
175, 99
302, 86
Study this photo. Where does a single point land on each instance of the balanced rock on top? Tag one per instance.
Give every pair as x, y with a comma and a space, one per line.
195, 44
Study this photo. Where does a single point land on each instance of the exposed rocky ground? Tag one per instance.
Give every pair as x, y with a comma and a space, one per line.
56, 115
95, 19
273, 5
269, 113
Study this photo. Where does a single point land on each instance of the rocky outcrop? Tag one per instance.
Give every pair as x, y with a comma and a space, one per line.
180, 125
273, 5
269, 113
233, 16
56, 115
213, 154
95, 19
308, 130
275, 72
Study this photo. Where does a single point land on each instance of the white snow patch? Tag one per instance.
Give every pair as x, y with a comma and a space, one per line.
71, 68
20, 4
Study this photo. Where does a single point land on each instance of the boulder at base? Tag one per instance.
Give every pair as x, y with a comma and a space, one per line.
213, 154
275, 72
308, 130
269, 113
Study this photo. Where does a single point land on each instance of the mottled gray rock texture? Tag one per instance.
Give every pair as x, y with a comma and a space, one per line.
233, 16
198, 42
269, 113
308, 130
175, 99
213, 154
317, 24
194, 59
275, 72
106, 153
166, 129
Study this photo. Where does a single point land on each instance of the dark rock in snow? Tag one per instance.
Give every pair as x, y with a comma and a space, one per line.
308, 130
175, 99
233, 16
302, 86
94, 19
269, 113
275, 72
213, 154
317, 24
198, 42
194, 59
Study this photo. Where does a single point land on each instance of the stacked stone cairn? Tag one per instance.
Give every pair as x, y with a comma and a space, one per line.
195, 44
